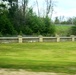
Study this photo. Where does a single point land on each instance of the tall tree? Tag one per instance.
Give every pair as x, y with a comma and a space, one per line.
5, 25
56, 20
49, 7
24, 6
38, 8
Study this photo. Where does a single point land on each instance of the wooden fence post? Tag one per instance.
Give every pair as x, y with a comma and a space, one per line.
73, 38
20, 39
58, 38
40, 38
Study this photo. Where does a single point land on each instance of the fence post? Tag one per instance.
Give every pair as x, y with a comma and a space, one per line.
20, 39
73, 38
40, 38
58, 38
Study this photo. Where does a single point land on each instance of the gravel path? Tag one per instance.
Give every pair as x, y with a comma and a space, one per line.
23, 72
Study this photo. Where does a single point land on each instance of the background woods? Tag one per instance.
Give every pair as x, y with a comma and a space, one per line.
21, 19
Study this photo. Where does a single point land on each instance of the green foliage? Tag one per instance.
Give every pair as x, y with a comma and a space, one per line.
1, 34
63, 29
27, 30
73, 30
5, 25
2, 6
20, 33
74, 21
56, 20
24, 21
49, 27
70, 21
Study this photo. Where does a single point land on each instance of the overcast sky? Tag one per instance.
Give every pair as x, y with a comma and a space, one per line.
65, 8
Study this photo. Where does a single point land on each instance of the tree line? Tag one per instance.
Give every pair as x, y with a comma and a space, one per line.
61, 20
69, 21
18, 19
21, 20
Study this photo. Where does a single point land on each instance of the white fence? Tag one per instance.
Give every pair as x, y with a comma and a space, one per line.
21, 39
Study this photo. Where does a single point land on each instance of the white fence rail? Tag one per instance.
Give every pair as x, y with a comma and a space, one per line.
21, 39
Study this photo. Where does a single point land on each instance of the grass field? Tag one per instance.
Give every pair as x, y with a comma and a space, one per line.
47, 57
63, 29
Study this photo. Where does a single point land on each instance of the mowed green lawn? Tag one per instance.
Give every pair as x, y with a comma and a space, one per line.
48, 57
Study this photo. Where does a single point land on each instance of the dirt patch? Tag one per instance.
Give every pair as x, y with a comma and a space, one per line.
23, 72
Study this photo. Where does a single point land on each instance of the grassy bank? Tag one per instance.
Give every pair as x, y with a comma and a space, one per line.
63, 29
48, 57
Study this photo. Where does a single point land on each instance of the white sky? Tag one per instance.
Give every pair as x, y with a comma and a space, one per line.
65, 8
